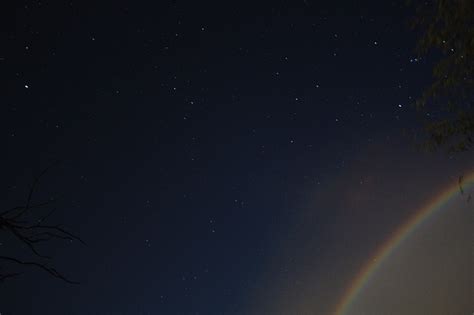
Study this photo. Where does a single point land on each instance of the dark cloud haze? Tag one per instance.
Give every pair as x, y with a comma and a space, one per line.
226, 158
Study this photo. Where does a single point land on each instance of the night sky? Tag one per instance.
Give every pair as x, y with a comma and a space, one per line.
225, 157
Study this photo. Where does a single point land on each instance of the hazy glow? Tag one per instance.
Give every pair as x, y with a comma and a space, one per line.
397, 238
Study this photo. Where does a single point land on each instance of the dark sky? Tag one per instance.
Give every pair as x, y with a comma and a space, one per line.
216, 157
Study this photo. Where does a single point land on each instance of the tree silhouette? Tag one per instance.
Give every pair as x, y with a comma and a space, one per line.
27, 224
447, 33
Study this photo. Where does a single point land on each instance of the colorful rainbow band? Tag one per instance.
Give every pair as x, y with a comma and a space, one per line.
398, 236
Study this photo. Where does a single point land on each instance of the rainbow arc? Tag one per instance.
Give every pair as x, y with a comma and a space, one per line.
364, 275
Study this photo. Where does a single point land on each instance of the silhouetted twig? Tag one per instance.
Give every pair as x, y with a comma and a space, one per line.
29, 229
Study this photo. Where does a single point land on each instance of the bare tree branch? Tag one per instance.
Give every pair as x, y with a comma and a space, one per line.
28, 227
52, 271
